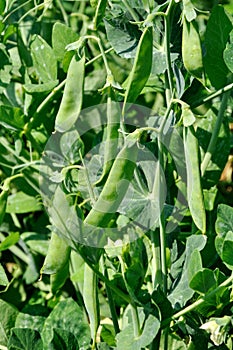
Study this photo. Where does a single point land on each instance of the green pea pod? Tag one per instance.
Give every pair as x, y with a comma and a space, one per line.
71, 102
194, 190
111, 136
90, 298
191, 49
99, 13
3, 203
117, 183
141, 67
56, 262
58, 279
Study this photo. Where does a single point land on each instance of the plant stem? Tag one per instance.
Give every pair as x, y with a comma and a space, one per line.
212, 96
198, 302
167, 32
111, 304
214, 136
131, 10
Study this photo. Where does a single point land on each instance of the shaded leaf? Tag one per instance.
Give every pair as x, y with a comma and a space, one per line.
216, 37
25, 339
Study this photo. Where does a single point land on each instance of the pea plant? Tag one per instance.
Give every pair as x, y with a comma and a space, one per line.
116, 219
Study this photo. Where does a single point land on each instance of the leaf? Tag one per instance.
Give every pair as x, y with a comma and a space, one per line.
224, 222
3, 277
219, 157
182, 291
71, 146
25, 339
40, 88
64, 217
43, 59
67, 315
228, 53
127, 341
216, 37
10, 240
227, 248
63, 340
159, 64
7, 321
61, 37
203, 281
123, 36
20, 202
12, 117
30, 320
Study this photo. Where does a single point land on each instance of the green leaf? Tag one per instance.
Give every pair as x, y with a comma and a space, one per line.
37, 242
228, 53
30, 320
203, 281
67, 315
224, 222
7, 321
3, 277
123, 36
219, 157
44, 60
20, 202
2, 6
63, 340
12, 117
40, 88
182, 292
216, 37
227, 249
159, 64
25, 339
61, 37
127, 341
10, 240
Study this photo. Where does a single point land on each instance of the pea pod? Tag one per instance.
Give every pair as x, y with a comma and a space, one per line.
71, 102
191, 49
141, 67
90, 298
56, 262
111, 136
117, 183
3, 203
194, 190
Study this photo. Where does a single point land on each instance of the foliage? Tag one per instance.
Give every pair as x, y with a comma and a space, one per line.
116, 219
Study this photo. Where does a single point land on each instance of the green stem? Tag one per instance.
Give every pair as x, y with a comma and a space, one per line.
162, 232
156, 260
198, 302
111, 304
215, 133
134, 311
131, 10
212, 96
135, 318
167, 33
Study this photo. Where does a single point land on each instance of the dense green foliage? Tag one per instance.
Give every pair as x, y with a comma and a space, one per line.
116, 218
